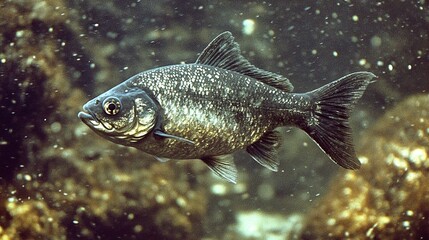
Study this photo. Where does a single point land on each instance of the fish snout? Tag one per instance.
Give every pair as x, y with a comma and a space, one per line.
87, 117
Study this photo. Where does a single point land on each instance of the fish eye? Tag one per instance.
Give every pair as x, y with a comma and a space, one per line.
111, 105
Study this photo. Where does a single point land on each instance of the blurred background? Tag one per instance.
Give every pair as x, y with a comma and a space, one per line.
59, 180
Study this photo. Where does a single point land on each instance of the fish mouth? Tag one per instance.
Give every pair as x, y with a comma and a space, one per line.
88, 118
93, 122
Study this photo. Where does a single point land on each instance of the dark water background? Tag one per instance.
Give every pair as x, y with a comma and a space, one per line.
61, 181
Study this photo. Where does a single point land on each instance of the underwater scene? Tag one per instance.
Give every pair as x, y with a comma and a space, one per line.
64, 176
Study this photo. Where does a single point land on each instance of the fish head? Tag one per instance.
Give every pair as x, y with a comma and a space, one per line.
122, 115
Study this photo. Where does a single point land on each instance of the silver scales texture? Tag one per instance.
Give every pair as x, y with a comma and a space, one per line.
220, 110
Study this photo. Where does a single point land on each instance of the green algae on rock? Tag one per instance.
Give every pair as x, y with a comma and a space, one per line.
30, 220
389, 197
28, 50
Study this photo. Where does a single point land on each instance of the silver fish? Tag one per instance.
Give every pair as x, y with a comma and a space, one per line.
220, 104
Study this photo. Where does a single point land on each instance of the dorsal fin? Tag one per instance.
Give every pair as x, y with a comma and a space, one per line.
224, 52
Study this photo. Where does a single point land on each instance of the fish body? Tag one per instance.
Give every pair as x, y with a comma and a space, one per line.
219, 110
220, 104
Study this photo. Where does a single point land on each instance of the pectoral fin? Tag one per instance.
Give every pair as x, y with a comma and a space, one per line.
223, 166
162, 134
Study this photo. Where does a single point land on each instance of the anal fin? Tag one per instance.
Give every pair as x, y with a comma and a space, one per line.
264, 150
223, 166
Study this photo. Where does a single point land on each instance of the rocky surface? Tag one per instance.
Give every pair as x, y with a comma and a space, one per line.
388, 198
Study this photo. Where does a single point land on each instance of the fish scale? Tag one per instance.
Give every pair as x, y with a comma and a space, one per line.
220, 104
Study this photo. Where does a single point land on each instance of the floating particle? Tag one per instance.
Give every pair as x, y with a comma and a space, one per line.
19, 34
27, 177
160, 199
406, 224
248, 26
418, 156
219, 189
138, 228
181, 202
331, 221
56, 127
376, 41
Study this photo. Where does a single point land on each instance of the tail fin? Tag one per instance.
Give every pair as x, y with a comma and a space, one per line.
329, 125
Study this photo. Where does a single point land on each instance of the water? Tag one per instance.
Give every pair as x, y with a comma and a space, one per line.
61, 181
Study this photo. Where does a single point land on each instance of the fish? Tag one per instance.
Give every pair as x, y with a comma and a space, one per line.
220, 104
